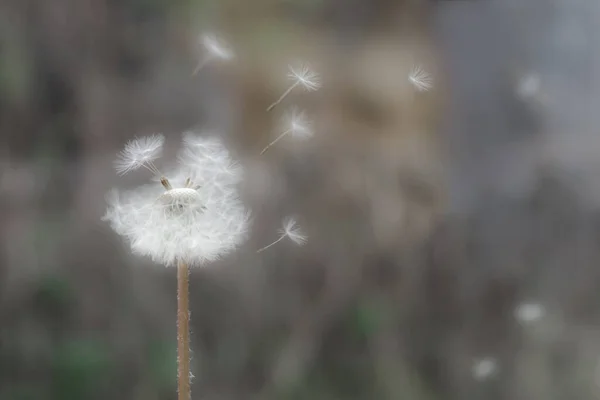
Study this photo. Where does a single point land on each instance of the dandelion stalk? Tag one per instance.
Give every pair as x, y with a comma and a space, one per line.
275, 141
272, 244
283, 96
183, 332
201, 65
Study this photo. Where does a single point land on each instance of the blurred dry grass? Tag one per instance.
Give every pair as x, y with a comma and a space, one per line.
431, 216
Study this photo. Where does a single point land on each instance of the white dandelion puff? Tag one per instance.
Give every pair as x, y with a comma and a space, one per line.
529, 312
194, 217
484, 368
303, 76
297, 124
140, 152
216, 49
421, 80
289, 230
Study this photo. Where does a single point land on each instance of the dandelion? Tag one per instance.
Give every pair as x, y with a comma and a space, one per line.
295, 123
290, 230
421, 80
302, 76
193, 216
216, 49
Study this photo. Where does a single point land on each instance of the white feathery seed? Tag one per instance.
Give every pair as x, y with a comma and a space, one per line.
293, 231
216, 49
289, 230
305, 76
194, 217
140, 152
297, 124
420, 79
302, 75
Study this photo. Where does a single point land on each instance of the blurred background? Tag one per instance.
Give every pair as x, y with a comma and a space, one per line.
454, 233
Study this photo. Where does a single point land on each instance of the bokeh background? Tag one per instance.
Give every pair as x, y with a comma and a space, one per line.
454, 234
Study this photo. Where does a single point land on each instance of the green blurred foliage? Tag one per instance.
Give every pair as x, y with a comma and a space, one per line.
162, 364
80, 367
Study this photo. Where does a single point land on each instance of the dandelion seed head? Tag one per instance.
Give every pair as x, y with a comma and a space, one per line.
217, 48
420, 79
293, 231
139, 152
298, 124
179, 200
198, 219
304, 75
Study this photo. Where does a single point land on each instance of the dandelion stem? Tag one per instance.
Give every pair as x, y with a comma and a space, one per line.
183, 332
272, 244
201, 65
283, 96
275, 141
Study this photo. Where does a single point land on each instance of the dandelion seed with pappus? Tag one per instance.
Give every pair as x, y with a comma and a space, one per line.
289, 230
302, 76
420, 79
216, 49
191, 217
294, 123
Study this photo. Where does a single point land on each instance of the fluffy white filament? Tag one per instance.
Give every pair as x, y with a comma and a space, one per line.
140, 152
195, 216
420, 79
290, 230
216, 49
304, 76
295, 123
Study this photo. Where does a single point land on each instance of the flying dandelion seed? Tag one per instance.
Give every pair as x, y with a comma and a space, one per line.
420, 79
295, 123
216, 49
140, 153
290, 230
302, 76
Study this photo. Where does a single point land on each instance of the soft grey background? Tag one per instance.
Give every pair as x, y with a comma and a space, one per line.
430, 218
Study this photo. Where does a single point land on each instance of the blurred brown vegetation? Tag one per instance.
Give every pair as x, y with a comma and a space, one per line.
431, 215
